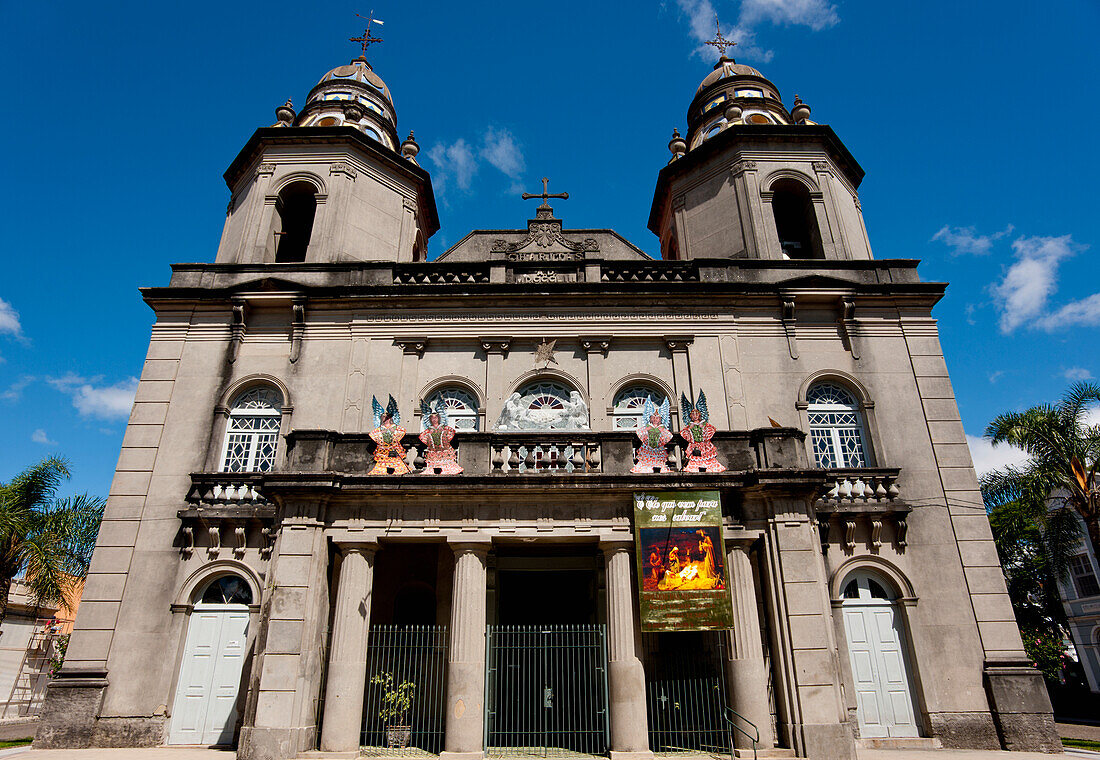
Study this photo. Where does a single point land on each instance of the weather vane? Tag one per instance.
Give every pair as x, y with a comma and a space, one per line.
719, 41
367, 39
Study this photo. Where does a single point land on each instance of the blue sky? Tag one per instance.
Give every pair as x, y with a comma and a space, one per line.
970, 119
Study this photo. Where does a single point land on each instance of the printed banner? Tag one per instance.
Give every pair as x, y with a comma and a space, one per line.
682, 580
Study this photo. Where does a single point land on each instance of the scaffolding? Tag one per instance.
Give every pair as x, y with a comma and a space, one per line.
29, 688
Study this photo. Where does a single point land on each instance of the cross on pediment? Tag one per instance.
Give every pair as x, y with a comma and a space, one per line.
545, 195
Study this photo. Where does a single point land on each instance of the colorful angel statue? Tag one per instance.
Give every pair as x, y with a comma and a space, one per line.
389, 454
440, 458
701, 454
654, 435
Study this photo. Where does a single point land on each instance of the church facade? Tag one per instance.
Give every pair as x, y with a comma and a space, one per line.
368, 502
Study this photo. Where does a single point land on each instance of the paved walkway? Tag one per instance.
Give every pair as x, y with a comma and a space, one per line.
195, 753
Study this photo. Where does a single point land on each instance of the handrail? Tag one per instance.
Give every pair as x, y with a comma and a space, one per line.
754, 739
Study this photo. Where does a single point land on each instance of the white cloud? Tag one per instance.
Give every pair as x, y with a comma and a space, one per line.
108, 402
39, 436
995, 376
1077, 373
501, 151
988, 457
15, 390
1028, 284
967, 240
9, 320
1083, 312
816, 14
455, 162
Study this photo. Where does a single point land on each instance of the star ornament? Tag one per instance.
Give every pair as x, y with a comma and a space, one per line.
544, 353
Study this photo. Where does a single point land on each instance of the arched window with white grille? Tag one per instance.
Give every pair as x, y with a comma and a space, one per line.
836, 427
460, 406
252, 435
629, 402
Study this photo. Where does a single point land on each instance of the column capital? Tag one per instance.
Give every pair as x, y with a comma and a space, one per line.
614, 545
366, 548
679, 342
479, 548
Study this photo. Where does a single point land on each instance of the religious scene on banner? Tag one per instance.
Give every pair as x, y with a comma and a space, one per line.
681, 571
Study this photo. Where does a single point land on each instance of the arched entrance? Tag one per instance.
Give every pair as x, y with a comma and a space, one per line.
879, 656
205, 707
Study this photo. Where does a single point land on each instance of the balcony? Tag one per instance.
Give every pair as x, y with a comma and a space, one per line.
513, 454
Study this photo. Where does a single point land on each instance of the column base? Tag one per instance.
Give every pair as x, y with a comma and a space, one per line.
1021, 707
444, 755
617, 755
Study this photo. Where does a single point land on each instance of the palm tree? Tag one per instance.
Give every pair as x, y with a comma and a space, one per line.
1060, 477
47, 540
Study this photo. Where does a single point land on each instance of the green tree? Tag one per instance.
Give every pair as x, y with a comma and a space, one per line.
47, 540
1060, 477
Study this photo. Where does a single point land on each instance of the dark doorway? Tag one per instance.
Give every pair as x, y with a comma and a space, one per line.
556, 597
296, 207
552, 585
795, 221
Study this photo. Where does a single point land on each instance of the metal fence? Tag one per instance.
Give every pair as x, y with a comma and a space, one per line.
417, 654
547, 690
685, 693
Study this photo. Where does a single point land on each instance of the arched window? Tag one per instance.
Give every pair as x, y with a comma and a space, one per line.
461, 407
544, 405
864, 587
252, 435
226, 589
795, 220
836, 427
629, 402
296, 207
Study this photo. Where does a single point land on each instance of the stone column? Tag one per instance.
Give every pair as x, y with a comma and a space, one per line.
347, 661
626, 678
745, 673
466, 657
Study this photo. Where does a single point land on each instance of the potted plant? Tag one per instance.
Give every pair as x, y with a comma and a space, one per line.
397, 700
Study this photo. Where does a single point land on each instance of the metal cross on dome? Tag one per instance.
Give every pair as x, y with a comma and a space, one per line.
546, 196
367, 39
719, 41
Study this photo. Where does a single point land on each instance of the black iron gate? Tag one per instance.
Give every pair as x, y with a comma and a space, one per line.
685, 693
547, 690
415, 655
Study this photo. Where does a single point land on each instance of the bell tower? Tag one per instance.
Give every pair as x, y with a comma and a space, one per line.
332, 182
752, 179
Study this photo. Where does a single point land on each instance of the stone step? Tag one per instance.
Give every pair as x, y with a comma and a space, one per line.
915, 742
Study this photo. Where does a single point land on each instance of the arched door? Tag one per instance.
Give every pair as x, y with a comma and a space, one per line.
205, 708
879, 657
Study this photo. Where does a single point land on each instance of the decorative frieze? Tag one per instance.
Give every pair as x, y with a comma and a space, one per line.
341, 167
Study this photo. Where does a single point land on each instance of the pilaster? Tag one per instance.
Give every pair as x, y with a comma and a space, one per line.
495, 351
595, 349
280, 720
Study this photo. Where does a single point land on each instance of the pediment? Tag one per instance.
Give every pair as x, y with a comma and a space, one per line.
544, 242
817, 281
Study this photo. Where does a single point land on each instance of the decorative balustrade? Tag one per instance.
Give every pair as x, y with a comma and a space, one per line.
856, 486
546, 453
663, 271
440, 274
225, 489
578, 452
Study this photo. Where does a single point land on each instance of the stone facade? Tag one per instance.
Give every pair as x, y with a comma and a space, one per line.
746, 305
